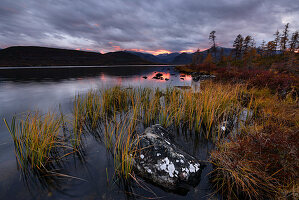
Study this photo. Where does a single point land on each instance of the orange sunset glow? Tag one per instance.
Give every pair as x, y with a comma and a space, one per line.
187, 51
154, 52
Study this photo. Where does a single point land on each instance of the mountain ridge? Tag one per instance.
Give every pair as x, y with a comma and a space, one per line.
179, 58
46, 56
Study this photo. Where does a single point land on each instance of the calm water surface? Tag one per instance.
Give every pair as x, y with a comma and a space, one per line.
45, 89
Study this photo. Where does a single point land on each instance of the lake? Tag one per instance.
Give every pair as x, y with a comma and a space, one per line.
48, 88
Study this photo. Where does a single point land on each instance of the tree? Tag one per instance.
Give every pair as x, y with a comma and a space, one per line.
247, 44
284, 38
294, 42
249, 57
212, 38
208, 62
221, 55
238, 44
208, 59
276, 39
270, 48
263, 48
196, 58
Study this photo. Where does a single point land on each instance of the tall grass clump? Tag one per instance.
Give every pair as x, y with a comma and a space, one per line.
214, 104
121, 141
36, 139
125, 147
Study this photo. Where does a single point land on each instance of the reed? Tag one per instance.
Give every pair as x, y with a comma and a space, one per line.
36, 139
122, 142
126, 148
78, 118
116, 112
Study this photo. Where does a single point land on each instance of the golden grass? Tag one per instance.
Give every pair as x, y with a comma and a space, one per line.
36, 139
262, 161
116, 112
196, 110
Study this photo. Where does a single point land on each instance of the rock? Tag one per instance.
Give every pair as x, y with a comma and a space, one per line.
163, 163
156, 77
182, 78
166, 79
145, 77
159, 74
196, 78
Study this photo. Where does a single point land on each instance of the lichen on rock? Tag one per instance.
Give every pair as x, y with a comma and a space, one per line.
163, 163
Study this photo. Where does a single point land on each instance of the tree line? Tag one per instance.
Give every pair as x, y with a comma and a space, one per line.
244, 48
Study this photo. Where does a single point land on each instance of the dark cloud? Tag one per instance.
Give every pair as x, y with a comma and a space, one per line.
173, 25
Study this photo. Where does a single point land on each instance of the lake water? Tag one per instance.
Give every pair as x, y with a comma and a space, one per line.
47, 88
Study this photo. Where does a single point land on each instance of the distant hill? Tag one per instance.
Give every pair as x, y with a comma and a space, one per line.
179, 58
183, 58
148, 57
167, 58
44, 56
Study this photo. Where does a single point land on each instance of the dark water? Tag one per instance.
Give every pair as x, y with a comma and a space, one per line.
45, 89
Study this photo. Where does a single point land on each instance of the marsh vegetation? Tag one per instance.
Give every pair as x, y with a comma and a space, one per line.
116, 115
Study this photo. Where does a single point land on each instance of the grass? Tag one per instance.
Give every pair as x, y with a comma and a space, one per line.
125, 148
262, 161
259, 161
270, 72
36, 139
116, 112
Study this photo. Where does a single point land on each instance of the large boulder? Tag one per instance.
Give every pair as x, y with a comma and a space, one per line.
163, 163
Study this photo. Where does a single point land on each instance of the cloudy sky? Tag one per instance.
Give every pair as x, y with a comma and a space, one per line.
144, 25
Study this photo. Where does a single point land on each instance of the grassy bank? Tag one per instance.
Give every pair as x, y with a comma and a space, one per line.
261, 161
279, 72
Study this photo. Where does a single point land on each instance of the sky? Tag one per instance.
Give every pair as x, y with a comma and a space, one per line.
153, 26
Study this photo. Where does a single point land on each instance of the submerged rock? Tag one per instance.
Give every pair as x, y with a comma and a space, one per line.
164, 163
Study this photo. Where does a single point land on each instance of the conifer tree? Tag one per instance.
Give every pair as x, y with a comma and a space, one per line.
247, 44
196, 58
294, 42
238, 44
276, 40
270, 48
284, 38
212, 38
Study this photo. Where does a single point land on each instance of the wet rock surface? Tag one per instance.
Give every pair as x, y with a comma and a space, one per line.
163, 163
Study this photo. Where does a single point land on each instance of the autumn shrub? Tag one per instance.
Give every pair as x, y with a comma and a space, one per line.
257, 165
262, 161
